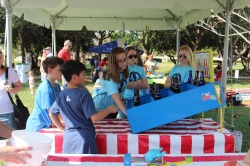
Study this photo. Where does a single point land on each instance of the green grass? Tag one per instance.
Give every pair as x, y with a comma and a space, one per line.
242, 113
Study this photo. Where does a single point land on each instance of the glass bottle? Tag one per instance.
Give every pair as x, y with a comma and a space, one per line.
157, 92
196, 79
172, 86
202, 80
177, 85
136, 97
190, 78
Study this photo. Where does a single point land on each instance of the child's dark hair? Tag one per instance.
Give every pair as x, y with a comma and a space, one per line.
51, 62
72, 67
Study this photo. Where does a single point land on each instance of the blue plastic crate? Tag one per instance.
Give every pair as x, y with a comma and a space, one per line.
174, 107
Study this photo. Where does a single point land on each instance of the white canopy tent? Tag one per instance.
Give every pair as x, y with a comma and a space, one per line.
118, 15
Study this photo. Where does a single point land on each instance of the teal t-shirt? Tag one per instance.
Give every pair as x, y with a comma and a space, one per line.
183, 71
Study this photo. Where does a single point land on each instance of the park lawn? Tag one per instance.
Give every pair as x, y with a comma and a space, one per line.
242, 114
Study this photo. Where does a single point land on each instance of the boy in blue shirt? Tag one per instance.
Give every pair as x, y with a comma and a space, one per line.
46, 95
76, 107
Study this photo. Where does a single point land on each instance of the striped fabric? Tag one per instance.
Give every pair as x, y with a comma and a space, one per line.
117, 160
187, 136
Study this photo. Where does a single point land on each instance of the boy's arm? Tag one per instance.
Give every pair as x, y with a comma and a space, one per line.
55, 119
103, 113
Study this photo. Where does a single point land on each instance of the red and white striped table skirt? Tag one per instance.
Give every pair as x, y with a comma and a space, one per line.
185, 136
117, 160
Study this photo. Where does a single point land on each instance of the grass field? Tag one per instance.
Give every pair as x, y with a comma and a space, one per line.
241, 114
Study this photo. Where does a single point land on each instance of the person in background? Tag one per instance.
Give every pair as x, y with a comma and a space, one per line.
64, 54
76, 107
151, 64
28, 58
31, 81
103, 63
92, 65
96, 62
218, 71
43, 74
9, 153
100, 80
137, 76
144, 58
114, 84
83, 57
186, 64
46, 94
6, 111
48, 52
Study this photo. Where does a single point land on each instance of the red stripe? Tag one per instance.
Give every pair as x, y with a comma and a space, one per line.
101, 141
186, 144
85, 158
122, 144
143, 144
165, 143
208, 143
229, 143
108, 158
205, 158
58, 142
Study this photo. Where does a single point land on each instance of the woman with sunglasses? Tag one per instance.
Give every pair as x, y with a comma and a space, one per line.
137, 75
115, 82
185, 65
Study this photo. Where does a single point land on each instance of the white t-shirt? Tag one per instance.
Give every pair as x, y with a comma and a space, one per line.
6, 106
151, 64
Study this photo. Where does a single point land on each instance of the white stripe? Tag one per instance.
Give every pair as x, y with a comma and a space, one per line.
133, 144
197, 144
154, 141
111, 144
219, 143
175, 144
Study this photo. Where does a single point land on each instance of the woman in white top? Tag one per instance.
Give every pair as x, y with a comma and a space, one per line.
6, 111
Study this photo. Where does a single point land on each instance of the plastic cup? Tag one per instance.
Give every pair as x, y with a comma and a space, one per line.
40, 143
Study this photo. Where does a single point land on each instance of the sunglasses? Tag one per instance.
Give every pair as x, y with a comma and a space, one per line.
132, 55
184, 56
120, 61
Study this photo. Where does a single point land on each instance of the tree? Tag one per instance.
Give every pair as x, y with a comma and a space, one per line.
239, 33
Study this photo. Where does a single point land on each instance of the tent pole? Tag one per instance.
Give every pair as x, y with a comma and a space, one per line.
177, 42
54, 38
9, 35
5, 44
225, 54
